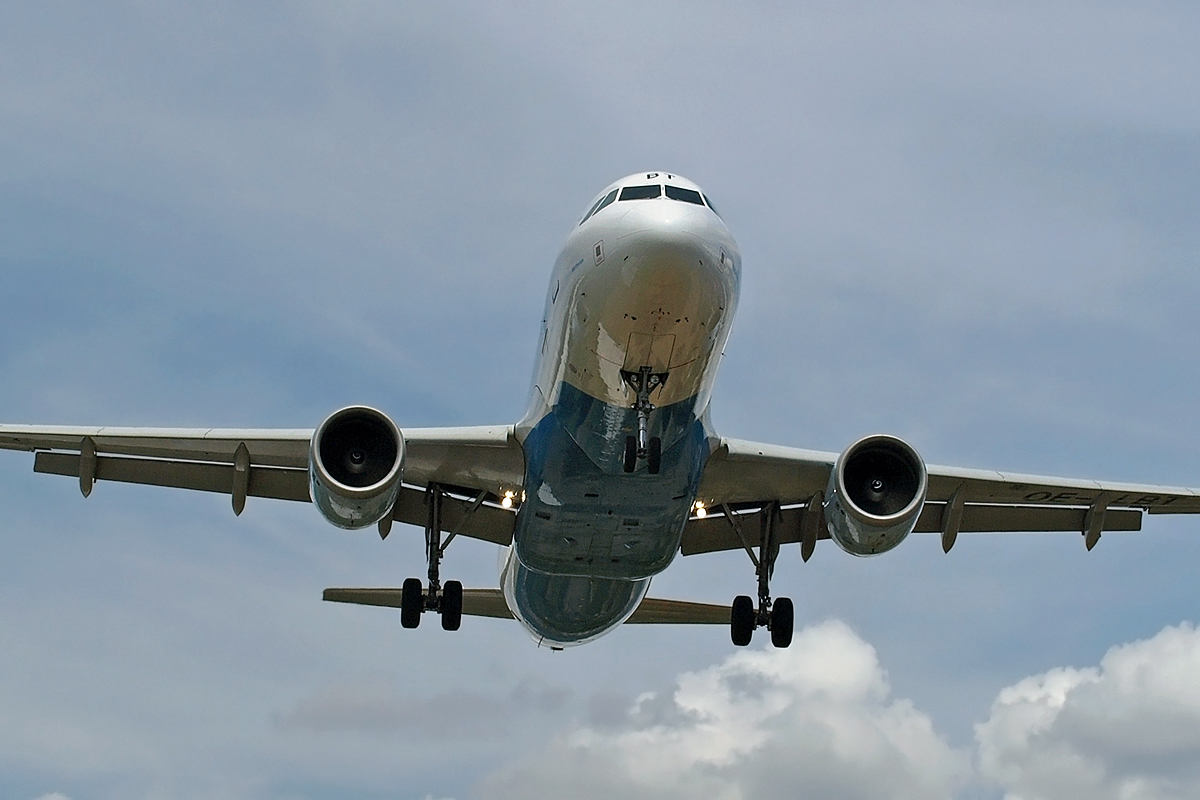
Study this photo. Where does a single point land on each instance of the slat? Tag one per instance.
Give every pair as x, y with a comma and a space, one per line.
278, 448
474, 456
987, 487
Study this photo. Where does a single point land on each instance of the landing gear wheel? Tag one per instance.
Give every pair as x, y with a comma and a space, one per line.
412, 603
452, 599
742, 620
783, 615
654, 456
631, 454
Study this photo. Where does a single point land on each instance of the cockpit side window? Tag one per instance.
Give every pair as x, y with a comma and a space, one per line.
686, 195
608, 198
641, 192
710, 205
601, 203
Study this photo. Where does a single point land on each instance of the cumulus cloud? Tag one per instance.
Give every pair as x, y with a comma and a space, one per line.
1128, 729
814, 720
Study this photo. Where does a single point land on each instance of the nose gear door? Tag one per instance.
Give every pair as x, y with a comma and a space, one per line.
649, 350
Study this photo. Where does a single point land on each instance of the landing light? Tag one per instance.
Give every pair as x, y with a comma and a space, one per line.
699, 510
507, 500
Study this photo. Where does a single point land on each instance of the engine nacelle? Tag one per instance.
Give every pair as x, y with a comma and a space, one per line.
355, 461
875, 495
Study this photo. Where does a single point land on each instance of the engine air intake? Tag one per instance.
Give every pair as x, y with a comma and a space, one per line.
876, 493
356, 458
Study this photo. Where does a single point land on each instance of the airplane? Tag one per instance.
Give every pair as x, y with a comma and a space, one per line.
615, 468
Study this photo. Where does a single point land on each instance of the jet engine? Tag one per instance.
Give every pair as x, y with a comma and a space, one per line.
355, 462
875, 495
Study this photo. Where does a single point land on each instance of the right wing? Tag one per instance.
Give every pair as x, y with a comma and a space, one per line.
747, 477
478, 463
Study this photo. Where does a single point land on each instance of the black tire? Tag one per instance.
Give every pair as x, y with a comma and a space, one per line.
783, 616
412, 603
630, 453
742, 620
452, 594
654, 457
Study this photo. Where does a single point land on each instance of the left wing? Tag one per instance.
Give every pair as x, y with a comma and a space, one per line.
478, 462
742, 478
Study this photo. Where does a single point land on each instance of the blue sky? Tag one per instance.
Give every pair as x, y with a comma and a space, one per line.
973, 227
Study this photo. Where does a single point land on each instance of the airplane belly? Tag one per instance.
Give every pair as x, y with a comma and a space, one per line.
562, 611
583, 515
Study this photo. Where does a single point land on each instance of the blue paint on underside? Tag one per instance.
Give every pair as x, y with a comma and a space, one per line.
583, 514
589, 535
562, 611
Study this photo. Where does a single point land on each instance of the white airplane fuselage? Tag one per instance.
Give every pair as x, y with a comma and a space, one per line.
643, 290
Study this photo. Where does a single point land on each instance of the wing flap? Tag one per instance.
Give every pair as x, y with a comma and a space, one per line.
714, 533
462, 516
277, 483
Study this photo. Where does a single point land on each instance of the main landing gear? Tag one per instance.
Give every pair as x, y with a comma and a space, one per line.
778, 616
643, 445
446, 600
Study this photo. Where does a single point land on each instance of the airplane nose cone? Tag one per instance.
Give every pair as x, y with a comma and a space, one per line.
663, 248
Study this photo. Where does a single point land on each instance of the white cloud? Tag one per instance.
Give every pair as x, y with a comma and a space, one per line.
1126, 730
813, 720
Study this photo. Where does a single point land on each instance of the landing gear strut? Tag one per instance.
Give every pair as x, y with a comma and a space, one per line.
446, 600
643, 445
778, 616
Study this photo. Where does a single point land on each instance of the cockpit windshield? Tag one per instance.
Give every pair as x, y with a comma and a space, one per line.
686, 195
650, 192
641, 192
